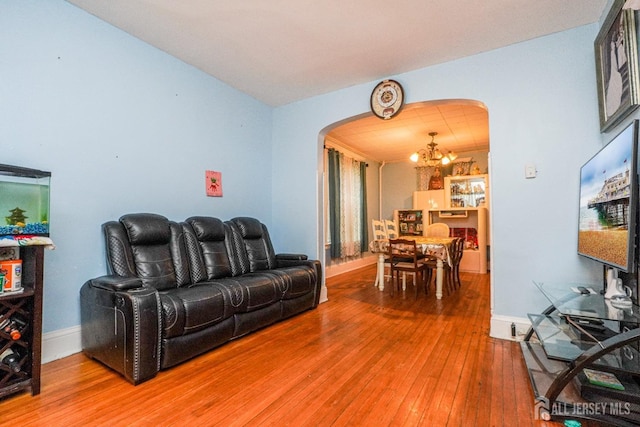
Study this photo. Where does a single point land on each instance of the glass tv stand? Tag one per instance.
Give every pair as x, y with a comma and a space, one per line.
581, 331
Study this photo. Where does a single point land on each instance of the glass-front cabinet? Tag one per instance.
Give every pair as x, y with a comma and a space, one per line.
468, 191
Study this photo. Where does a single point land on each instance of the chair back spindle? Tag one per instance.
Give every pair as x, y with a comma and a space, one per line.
391, 229
378, 228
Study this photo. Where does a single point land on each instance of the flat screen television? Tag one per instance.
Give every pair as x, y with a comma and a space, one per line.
609, 201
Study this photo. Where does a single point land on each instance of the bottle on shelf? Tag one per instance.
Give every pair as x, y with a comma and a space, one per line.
13, 326
11, 358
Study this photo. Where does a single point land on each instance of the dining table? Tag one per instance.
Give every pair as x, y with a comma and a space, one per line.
434, 247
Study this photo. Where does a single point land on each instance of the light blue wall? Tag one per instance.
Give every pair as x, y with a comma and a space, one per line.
399, 181
542, 107
123, 127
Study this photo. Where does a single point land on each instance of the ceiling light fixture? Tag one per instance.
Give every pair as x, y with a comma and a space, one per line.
432, 156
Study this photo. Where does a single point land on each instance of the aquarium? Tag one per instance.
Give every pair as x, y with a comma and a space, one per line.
24, 201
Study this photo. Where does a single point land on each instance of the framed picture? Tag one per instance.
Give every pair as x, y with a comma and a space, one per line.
616, 54
213, 183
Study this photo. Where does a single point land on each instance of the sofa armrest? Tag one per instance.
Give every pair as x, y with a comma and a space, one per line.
116, 283
289, 260
121, 326
292, 260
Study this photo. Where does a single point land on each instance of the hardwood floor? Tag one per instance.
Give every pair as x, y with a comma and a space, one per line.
363, 358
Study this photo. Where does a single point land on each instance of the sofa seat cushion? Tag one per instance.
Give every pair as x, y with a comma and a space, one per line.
187, 310
251, 291
294, 281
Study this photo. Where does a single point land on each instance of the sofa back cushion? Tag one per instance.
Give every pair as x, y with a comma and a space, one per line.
252, 246
206, 241
147, 246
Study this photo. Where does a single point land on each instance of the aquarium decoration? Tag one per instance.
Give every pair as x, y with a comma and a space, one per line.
17, 217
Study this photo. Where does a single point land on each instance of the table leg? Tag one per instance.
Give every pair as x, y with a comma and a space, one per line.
439, 273
380, 274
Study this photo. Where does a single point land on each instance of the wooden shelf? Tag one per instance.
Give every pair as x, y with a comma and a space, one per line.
28, 305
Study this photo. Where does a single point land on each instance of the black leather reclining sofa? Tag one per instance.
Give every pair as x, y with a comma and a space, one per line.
176, 290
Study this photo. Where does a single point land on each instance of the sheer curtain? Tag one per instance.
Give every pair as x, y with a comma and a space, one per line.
347, 205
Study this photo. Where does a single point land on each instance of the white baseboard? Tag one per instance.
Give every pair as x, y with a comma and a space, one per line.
61, 343
335, 269
501, 327
324, 297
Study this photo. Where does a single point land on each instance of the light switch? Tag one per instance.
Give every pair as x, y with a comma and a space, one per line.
530, 170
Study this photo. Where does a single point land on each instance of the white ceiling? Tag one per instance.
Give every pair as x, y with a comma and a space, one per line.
282, 51
462, 126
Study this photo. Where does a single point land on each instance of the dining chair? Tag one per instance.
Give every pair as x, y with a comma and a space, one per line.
437, 229
392, 233
404, 257
390, 228
456, 256
379, 232
451, 272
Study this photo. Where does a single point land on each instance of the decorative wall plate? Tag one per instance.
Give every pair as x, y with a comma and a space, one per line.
387, 99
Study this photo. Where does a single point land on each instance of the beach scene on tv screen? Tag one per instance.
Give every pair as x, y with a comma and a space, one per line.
605, 190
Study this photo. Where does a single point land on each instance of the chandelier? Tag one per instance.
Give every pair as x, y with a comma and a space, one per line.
432, 156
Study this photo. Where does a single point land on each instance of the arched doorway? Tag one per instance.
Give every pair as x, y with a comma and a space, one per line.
462, 126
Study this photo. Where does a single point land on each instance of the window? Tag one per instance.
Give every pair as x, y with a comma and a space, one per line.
347, 204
